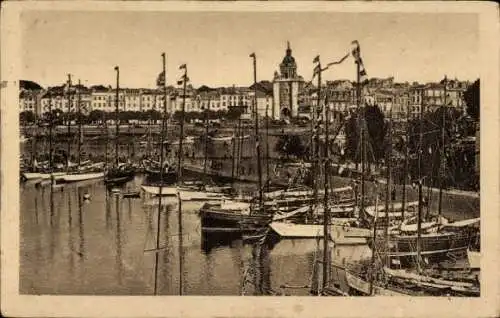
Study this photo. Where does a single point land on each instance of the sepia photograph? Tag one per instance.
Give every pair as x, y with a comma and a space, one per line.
209, 149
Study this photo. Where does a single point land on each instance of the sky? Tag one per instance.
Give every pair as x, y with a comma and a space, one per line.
216, 45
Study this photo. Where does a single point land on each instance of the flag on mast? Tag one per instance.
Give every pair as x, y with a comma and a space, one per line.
356, 53
160, 80
182, 67
181, 81
252, 55
316, 59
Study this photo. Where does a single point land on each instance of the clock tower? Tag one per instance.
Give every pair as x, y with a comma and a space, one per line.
286, 87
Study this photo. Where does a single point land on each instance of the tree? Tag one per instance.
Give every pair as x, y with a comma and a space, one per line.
432, 144
26, 117
95, 116
376, 132
472, 99
234, 113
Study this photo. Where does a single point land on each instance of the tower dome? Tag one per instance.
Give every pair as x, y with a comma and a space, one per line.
288, 66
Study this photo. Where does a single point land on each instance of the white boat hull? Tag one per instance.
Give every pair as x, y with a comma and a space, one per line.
42, 176
82, 176
340, 234
185, 194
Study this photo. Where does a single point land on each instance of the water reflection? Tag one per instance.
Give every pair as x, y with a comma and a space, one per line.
114, 244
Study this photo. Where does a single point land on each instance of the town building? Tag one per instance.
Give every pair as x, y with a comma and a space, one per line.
30, 94
286, 88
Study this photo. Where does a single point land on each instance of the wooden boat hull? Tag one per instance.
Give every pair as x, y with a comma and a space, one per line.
235, 221
120, 176
155, 176
435, 247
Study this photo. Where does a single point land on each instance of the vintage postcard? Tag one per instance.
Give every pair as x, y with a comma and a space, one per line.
160, 158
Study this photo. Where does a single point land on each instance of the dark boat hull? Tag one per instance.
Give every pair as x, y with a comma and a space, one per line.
156, 177
217, 220
435, 248
119, 176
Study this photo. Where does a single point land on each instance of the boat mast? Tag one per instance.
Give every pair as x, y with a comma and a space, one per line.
78, 105
361, 111
259, 168
374, 238
268, 178
241, 140
51, 164
179, 169
326, 210
105, 124
207, 110
117, 109
180, 155
149, 145
34, 137
161, 178
388, 199
68, 123
420, 203
315, 131
405, 169
233, 163
443, 160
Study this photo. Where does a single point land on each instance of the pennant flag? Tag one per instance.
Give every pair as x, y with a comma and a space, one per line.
160, 80
252, 55
316, 59
182, 67
339, 61
116, 68
356, 53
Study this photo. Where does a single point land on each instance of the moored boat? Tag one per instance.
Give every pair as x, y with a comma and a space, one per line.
231, 216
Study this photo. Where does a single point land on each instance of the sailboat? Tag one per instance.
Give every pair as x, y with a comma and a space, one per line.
81, 170
158, 172
119, 173
338, 212
240, 217
40, 171
163, 187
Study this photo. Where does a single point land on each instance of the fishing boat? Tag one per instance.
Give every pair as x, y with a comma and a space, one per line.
420, 240
118, 173
154, 174
186, 193
234, 216
231, 216
343, 231
38, 176
368, 213
227, 138
438, 239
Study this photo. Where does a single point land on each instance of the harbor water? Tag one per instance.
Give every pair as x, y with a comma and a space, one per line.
87, 240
